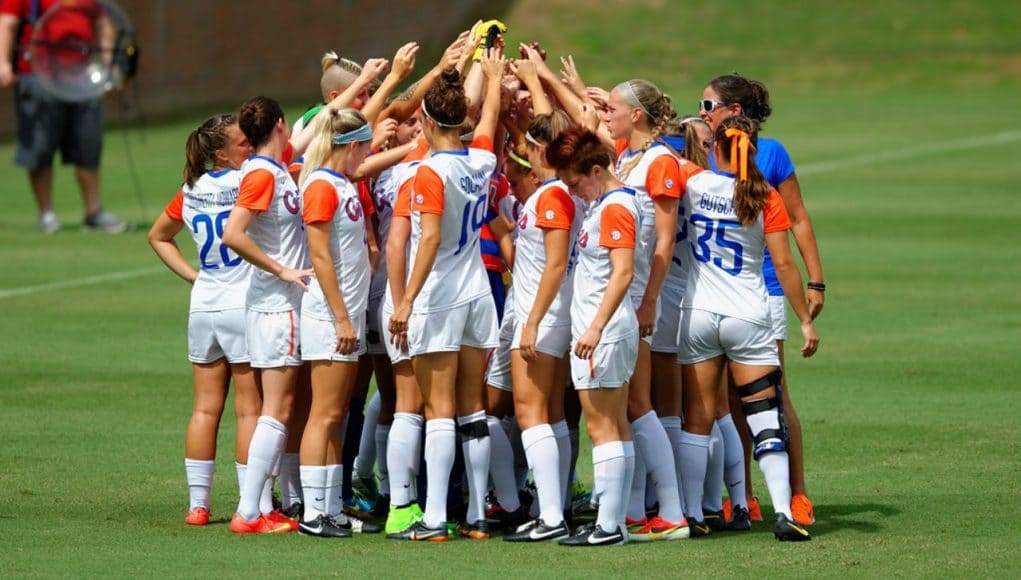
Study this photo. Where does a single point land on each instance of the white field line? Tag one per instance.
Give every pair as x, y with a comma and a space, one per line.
910, 152
79, 282
804, 169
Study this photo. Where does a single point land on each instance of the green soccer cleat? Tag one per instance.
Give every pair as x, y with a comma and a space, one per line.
402, 518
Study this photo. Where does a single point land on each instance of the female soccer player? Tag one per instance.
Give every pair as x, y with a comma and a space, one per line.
216, 322
447, 310
384, 194
733, 216
547, 231
604, 327
727, 96
265, 229
638, 115
333, 312
404, 445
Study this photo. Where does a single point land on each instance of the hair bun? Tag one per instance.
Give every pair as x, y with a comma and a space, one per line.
450, 76
330, 58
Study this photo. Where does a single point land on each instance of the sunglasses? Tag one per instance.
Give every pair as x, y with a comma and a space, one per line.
709, 105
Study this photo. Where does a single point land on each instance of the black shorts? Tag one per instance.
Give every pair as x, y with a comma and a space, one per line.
46, 124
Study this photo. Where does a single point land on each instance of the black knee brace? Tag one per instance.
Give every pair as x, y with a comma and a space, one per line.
474, 430
767, 440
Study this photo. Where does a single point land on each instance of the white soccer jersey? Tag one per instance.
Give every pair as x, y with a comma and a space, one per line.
550, 207
510, 209
655, 174
204, 208
612, 222
267, 188
384, 195
328, 197
455, 185
725, 273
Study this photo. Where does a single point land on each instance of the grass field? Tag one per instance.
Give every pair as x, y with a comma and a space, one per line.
904, 120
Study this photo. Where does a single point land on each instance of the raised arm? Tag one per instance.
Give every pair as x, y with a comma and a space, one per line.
372, 69
526, 71
403, 64
492, 66
401, 110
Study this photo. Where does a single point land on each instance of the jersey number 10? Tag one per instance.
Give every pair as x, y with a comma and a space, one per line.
474, 217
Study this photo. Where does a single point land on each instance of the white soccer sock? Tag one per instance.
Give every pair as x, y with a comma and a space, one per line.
365, 463
776, 471
440, 438
478, 451
733, 461
610, 467
313, 487
563, 437
267, 444
543, 458
712, 489
266, 498
672, 426
501, 466
199, 474
636, 491
290, 480
402, 452
651, 441
382, 435
775, 465
630, 456
241, 468
334, 489
694, 455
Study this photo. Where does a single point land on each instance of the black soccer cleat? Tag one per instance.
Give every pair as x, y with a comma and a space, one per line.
538, 531
419, 532
697, 529
714, 520
356, 525
787, 530
740, 521
595, 536
323, 527
502, 519
382, 508
295, 512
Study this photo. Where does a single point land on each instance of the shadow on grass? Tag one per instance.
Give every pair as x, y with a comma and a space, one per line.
867, 518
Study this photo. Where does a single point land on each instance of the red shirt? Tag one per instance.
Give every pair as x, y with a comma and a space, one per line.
70, 29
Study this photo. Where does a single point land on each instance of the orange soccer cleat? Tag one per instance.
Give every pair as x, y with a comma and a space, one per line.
198, 516
277, 517
261, 525
801, 509
659, 529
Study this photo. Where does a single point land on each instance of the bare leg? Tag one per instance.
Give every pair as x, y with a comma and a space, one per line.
88, 182
41, 181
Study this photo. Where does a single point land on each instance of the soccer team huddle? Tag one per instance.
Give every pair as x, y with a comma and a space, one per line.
504, 249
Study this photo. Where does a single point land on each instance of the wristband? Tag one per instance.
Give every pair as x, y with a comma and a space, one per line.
817, 286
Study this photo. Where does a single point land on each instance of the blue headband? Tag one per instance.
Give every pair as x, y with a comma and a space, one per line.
363, 133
